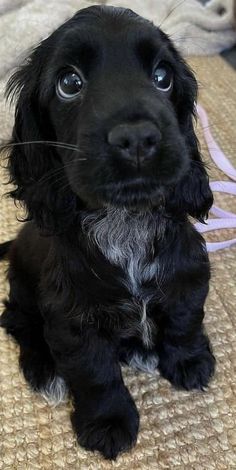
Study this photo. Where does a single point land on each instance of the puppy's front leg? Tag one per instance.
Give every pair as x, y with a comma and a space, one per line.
105, 417
185, 356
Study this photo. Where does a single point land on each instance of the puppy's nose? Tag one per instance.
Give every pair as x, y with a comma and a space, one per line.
135, 140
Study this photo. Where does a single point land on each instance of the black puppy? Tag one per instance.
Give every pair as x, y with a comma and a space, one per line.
109, 269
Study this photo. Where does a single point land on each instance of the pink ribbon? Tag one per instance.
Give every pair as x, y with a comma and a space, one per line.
225, 219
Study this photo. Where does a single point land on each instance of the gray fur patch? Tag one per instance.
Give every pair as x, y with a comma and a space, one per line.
55, 391
148, 365
126, 239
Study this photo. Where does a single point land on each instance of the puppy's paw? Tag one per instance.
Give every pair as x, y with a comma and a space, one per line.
189, 374
109, 435
37, 366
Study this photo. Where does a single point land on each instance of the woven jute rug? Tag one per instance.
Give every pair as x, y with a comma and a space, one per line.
178, 430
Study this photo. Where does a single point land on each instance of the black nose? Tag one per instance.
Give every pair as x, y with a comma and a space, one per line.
135, 140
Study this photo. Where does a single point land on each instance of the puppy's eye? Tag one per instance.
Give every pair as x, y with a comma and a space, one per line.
69, 85
163, 77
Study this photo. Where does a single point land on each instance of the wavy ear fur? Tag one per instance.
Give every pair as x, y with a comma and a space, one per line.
193, 193
35, 169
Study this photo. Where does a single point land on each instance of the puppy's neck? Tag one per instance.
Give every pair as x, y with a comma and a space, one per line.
126, 239
123, 226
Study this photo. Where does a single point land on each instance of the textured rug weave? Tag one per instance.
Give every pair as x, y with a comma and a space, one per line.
178, 430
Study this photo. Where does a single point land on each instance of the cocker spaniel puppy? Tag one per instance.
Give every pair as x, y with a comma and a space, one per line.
108, 269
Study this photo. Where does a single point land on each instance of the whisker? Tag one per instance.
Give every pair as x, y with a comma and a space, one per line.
42, 142
212, 124
205, 147
170, 12
51, 174
63, 188
184, 38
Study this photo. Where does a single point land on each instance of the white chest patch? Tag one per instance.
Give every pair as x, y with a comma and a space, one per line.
126, 239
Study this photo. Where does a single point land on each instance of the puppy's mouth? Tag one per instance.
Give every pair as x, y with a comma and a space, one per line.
107, 180
141, 188
139, 192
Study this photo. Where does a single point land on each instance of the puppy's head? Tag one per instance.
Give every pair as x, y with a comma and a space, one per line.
106, 105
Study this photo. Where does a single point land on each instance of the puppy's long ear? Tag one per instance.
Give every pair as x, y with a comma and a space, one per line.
34, 166
193, 193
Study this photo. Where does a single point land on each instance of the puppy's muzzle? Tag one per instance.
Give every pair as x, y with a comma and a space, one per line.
135, 142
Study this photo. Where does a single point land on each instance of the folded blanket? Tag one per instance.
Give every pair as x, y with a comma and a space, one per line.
195, 29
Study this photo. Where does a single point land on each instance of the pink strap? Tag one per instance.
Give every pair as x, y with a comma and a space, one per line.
216, 153
225, 219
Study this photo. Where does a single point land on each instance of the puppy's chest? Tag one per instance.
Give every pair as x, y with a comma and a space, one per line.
131, 249
127, 241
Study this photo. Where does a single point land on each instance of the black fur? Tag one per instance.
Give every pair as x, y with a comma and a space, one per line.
4, 248
70, 308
